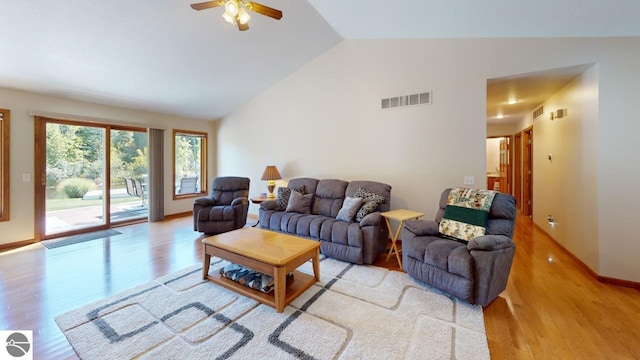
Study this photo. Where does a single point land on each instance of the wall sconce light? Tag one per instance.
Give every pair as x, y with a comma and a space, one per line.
558, 114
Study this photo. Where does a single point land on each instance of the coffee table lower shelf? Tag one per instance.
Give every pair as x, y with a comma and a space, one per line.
296, 286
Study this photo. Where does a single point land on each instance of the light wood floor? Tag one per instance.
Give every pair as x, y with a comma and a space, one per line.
551, 309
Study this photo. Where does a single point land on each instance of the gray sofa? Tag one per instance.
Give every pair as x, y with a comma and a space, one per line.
476, 272
356, 242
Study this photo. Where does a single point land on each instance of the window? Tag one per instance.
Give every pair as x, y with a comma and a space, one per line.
189, 163
4, 165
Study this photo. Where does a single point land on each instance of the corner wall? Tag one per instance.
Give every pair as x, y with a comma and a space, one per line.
325, 121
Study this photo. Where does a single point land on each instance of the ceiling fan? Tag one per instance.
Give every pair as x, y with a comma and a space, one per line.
235, 11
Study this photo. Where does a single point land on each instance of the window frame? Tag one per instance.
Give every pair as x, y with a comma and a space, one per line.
5, 117
203, 163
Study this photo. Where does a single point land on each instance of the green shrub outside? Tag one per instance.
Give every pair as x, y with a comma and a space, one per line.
76, 187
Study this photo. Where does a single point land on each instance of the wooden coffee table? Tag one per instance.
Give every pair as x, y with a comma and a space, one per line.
270, 253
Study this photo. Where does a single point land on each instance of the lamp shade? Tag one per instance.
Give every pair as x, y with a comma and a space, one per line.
271, 173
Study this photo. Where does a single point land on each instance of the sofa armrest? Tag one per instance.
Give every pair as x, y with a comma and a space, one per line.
490, 243
268, 205
422, 227
205, 201
371, 219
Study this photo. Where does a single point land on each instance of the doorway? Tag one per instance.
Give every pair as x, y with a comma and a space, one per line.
499, 164
83, 169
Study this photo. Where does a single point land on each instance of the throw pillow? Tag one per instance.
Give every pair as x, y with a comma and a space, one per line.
283, 197
299, 203
370, 202
466, 213
349, 208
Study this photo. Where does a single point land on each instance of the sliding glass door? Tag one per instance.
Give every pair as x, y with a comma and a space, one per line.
129, 171
78, 191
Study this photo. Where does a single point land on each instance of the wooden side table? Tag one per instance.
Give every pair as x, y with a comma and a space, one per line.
400, 215
260, 199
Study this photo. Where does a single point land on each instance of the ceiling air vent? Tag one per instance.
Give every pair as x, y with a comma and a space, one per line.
537, 112
406, 100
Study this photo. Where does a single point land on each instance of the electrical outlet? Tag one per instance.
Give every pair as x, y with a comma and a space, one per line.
469, 180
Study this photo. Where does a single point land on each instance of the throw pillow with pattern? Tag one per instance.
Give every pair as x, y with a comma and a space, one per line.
370, 202
283, 197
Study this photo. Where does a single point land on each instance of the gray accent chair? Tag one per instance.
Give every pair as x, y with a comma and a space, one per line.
356, 242
225, 209
476, 272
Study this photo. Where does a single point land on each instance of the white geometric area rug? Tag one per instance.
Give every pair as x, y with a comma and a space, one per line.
354, 312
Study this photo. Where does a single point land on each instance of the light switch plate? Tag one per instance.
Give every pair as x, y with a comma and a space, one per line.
469, 180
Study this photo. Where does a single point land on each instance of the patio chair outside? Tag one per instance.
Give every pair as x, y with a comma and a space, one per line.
188, 185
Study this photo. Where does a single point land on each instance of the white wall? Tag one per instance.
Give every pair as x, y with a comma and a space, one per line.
324, 121
566, 186
20, 226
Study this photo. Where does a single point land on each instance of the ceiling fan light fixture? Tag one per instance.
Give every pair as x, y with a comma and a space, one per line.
231, 8
236, 12
243, 16
230, 19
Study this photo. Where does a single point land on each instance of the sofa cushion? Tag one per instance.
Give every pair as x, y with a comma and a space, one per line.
465, 215
374, 187
370, 202
328, 197
350, 207
299, 203
309, 184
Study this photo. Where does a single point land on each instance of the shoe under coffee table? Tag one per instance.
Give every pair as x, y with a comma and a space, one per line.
270, 253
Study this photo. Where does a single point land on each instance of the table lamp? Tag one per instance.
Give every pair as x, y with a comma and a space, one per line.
271, 174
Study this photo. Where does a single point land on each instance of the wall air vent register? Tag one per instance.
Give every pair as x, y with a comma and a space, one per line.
406, 100
537, 112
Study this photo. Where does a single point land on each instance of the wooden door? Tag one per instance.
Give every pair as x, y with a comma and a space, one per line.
527, 186
504, 165
517, 169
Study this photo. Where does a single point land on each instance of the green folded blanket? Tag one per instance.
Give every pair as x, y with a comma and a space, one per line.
465, 216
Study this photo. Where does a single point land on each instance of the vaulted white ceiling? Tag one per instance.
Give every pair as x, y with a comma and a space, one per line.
163, 56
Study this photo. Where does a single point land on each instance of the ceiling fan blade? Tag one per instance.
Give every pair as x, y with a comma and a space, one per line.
207, 5
264, 10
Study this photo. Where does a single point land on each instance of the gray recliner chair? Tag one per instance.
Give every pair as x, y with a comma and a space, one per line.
476, 272
225, 209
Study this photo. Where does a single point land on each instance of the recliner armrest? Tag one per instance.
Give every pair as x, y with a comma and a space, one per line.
239, 200
205, 201
422, 227
490, 243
